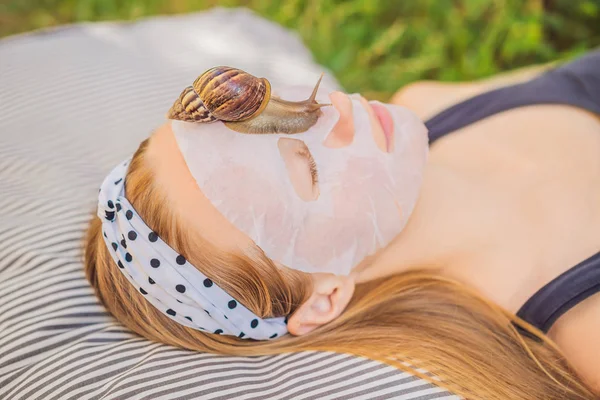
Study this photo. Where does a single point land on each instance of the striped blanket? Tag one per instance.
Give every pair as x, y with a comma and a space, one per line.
73, 102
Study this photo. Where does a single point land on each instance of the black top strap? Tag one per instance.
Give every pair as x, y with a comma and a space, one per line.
562, 293
576, 84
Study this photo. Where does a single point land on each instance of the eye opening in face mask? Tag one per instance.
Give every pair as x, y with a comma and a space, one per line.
304, 152
301, 167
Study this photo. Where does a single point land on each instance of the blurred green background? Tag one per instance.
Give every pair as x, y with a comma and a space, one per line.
377, 46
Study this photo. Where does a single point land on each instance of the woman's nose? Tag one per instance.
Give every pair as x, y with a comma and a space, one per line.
342, 133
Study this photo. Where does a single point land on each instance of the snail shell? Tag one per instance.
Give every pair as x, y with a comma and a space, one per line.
244, 103
222, 93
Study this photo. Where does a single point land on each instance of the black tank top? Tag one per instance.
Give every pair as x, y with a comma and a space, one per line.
576, 84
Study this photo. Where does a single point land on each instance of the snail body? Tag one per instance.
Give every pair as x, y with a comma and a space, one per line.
244, 103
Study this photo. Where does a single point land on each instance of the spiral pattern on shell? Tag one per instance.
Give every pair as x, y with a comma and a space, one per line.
222, 93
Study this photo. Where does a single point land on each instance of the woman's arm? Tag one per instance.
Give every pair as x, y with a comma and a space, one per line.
576, 333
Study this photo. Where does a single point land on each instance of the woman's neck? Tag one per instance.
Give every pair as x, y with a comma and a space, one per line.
434, 232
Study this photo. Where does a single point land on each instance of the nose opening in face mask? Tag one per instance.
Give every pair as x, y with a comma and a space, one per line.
342, 133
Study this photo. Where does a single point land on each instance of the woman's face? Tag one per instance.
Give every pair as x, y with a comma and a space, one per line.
319, 201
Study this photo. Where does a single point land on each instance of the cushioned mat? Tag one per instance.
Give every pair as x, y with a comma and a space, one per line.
74, 101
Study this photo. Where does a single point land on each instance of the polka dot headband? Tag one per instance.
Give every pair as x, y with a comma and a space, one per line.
165, 278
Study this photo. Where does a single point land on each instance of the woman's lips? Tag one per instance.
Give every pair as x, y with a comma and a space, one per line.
380, 137
386, 122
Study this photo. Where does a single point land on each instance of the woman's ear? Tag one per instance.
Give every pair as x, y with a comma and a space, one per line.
331, 294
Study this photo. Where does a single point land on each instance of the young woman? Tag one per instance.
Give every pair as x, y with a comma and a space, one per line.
215, 239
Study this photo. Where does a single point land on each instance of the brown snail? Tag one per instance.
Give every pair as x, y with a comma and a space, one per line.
244, 103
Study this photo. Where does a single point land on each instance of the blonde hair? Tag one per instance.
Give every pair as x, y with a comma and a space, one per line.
412, 320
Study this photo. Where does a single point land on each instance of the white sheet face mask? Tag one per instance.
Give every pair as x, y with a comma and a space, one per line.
365, 195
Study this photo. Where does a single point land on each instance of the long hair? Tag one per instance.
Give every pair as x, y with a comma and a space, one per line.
414, 320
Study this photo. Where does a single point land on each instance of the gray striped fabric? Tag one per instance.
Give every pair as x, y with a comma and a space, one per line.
73, 102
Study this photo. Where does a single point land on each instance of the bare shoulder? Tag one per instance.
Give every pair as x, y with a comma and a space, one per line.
427, 98
576, 334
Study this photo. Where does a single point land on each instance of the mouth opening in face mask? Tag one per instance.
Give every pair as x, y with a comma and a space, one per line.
386, 122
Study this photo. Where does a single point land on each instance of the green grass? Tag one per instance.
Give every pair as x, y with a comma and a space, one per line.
377, 46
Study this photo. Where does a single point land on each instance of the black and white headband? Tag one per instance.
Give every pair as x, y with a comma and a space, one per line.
165, 278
